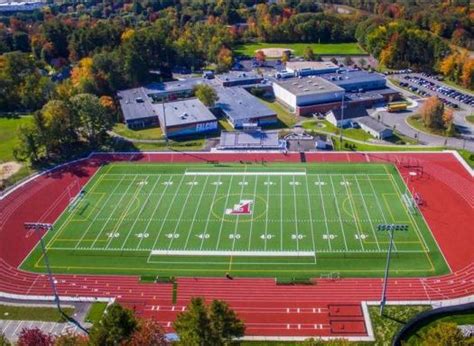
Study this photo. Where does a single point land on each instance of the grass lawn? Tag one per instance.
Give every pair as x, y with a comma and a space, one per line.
240, 219
470, 118
8, 135
376, 147
468, 156
27, 313
395, 316
416, 122
149, 133
249, 49
189, 145
286, 118
95, 312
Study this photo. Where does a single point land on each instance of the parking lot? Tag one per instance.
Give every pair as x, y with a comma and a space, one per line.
426, 85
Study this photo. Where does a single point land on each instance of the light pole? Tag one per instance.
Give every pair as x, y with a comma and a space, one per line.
391, 228
37, 227
164, 119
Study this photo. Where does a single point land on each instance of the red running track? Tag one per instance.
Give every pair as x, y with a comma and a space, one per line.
328, 308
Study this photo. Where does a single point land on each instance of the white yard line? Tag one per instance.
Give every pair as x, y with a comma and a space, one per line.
141, 210
380, 207
324, 213
238, 216
266, 213
296, 216
147, 226
183, 208
339, 213
195, 213
97, 214
368, 214
223, 216
117, 204
255, 209
281, 213
210, 211
166, 216
349, 195
311, 217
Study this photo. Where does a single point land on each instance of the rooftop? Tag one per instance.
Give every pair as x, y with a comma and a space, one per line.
313, 65
308, 85
180, 85
135, 104
371, 123
183, 112
237, 103
350, 76
241, 77
350, 111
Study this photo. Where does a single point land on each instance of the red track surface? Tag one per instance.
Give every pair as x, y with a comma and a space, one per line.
328, 308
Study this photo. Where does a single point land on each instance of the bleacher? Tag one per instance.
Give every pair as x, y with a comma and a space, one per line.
251, 139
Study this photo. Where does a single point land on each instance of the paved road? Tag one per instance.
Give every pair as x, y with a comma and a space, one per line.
399, 121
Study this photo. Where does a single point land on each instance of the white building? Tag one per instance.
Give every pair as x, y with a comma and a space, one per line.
375, 128
306, 68
297, 92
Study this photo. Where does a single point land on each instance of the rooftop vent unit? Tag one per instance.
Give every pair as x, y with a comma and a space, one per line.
305, 89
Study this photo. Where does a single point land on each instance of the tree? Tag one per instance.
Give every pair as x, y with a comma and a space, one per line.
348, 61
29, 144
362, 62
94, 119
285, 57
34, 337
334, 61
224, 322
308, 54
116, 326
3, 340
194, 326
149, 332
260, 56
206, 94
224, 60
215, 324
443, 334
71, 339
432, 113
467, 75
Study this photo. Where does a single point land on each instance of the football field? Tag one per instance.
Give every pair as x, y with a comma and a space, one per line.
254, 219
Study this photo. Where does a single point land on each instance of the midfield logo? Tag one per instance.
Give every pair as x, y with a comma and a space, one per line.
242, 208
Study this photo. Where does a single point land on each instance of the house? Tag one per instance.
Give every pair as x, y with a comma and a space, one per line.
374, 127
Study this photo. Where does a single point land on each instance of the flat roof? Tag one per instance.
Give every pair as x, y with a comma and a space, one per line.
237, 103
135, 104
350, 111
173, 86
372, 123
313, 65
308, 85
351, 76
238, 76
183, 112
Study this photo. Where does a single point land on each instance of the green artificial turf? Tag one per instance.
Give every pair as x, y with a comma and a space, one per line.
304, 220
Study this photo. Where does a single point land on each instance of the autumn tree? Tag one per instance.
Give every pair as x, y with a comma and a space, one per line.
443, 333
202, 324
224, 60
71, 339
34, 337
308, 54
260, 56
432, 113
149, 332
116, 326
82, 76
206, 94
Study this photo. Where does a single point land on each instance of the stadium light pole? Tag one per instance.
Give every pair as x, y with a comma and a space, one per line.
391, 228
37, 227
164, 119
342, 115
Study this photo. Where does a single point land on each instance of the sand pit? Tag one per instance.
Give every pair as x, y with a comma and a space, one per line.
274, 53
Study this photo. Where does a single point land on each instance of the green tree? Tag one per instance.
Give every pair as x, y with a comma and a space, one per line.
93, 118
443, 333
224, 322
29, 146
206, 94
308, 54
3, 340
116, 326
215, 324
